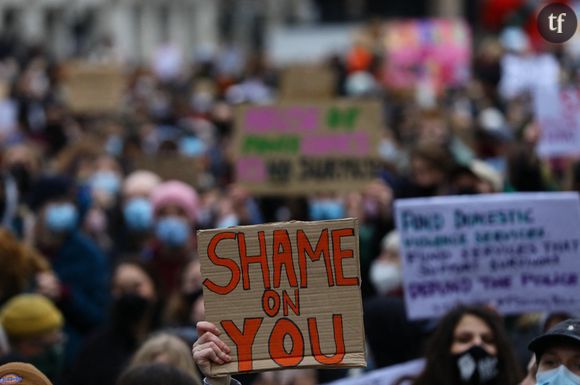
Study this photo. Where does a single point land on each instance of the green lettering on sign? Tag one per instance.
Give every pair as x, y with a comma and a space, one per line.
263, 145
345, 118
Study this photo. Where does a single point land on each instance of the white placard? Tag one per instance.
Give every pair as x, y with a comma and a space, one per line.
516, 252
521, 74
558, 115
385, 376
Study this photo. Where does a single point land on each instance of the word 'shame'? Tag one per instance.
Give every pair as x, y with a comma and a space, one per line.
282, 257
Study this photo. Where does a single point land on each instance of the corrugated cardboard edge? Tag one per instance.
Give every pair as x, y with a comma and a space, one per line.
358, 358
358, 361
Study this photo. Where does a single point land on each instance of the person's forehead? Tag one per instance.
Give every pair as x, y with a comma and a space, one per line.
564, 349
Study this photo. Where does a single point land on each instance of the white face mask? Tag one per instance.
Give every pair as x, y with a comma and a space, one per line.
559, 376
385, 277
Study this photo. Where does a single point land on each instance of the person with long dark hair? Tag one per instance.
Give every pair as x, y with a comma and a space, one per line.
470, 346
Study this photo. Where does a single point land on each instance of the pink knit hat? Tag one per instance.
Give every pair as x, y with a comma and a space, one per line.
176, 193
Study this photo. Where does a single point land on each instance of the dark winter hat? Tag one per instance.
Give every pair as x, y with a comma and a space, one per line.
566, 332
49, 188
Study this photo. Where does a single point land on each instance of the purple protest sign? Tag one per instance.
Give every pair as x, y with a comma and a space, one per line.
515, 252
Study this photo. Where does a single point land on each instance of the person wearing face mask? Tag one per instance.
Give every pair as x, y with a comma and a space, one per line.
80, 286
134, 313
557, 354
470, 347
104, 185
325, 208
392, 338
385, 272
33, 326
175, 206
134, 229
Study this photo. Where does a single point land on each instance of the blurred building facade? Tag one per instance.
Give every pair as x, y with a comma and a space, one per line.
131, 30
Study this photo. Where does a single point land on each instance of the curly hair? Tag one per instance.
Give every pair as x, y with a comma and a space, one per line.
18, 264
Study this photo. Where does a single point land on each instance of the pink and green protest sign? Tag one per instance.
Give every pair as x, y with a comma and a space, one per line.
305, 148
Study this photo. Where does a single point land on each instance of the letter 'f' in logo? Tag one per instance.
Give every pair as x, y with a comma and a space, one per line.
559, 19
557, 23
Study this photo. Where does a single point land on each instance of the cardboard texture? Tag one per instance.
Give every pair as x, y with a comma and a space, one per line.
295, 149
285, 295
94, 88
303, 82
171, 167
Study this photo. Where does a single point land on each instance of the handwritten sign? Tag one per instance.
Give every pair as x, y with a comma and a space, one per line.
285, 295
558, 114
516, 252
168, 167
437, 51
307, 82
390, 375
94, 88
291, 149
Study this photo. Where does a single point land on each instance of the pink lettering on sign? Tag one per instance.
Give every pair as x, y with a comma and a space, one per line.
251, 169
357, 143
296, 119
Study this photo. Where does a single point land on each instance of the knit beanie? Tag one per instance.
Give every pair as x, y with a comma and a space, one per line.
29, 315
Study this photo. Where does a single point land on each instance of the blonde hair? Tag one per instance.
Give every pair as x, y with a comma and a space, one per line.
164, 344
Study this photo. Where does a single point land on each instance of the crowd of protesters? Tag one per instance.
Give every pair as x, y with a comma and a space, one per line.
98, 266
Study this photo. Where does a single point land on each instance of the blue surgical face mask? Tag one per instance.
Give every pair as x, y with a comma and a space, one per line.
107, 181
326, 209
191, 146
558, 376
172, 231
61, 217
138, 214
114, 145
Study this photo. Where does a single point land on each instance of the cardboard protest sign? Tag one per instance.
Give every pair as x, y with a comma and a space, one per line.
304, 82
436, 51
168, 167
558, 115
94, 88
517, 252
285, 295
290, 149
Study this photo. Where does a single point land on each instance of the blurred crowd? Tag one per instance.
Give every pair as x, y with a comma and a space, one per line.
98, 263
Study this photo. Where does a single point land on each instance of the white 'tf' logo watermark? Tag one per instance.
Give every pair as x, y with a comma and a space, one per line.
557, 23
559, 19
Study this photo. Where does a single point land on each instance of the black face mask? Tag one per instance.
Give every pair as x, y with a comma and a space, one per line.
190, 298
129, 310
476, 366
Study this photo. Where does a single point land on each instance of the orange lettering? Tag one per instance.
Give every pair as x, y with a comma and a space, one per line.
243, 340
283, 258
338, 339
262, 259
282, 328
339, 254
287, 302
271, 310
225, 262
305, 248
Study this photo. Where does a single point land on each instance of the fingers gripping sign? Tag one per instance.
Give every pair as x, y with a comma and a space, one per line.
210, 350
